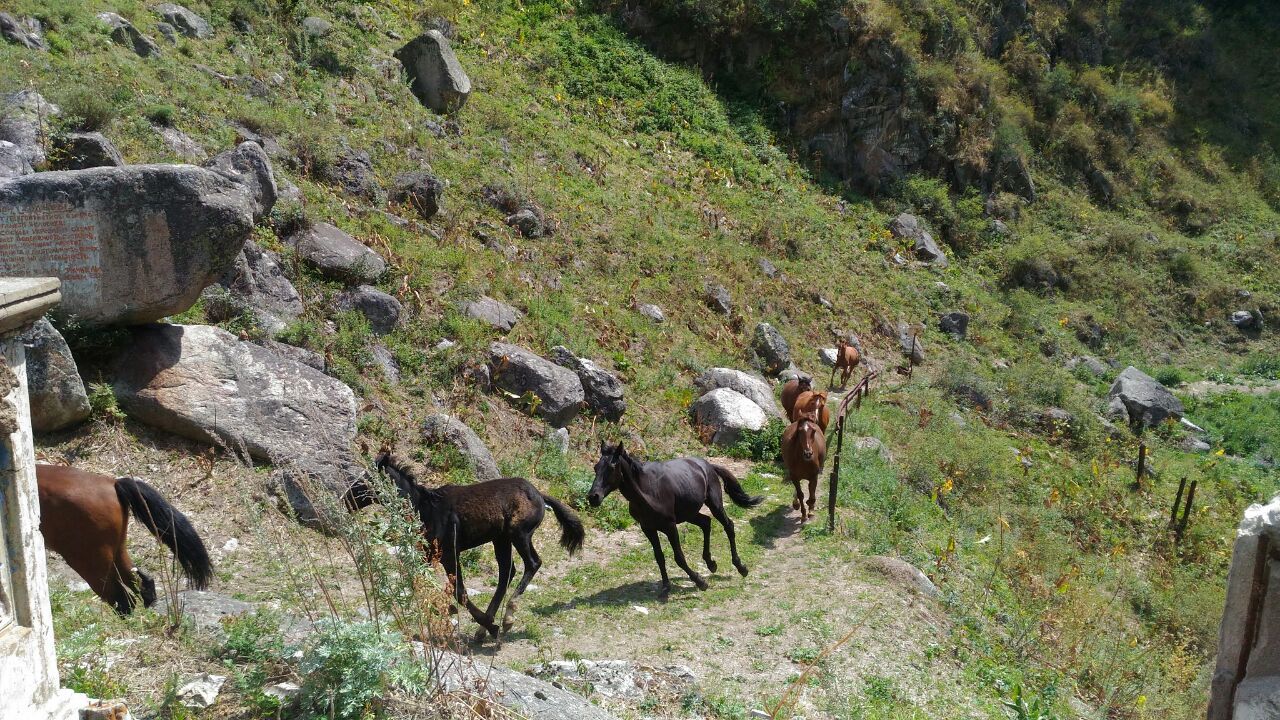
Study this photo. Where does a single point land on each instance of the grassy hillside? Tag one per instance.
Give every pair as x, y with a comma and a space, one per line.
1060, 582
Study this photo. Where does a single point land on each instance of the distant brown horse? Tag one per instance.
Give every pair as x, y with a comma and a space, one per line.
814, 406
804, 449
504, 512
84, 517
847, 357
793, 389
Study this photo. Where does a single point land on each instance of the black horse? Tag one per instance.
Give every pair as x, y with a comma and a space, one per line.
504, 512
664, 494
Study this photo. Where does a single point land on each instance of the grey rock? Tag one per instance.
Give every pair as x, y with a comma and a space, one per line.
248, 164
83, 150
202, 383
436, 77
201, 691
25, 121
147, 238
185, 21
767, 268
911, 347
445, 344
124, 33
54, 388
351, 170
1247, 319
497, 315
955, 324
26, 32
559, 439
750, 386
387, 363
316, 27
1116, 411
771, 348
307, 357
169, 32
904, 574
614, 679
718, 299
651, 311
909, 227
284, 691
526, 696
518, 371
421, 190
208, 611
828, 356
382, 310
723, 414
1196, 445
1057, 420
528, 222
602, 388
1146, 401
447, 430
337, 255
180, 143
792, 373
871, 444
13, 162
257, 284
1095, 366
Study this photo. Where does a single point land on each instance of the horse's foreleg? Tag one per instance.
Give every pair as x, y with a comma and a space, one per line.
813, 490
704, 522
718, 511
673, 534
449, 559
529, 556
501, 553
662, 562
798, 502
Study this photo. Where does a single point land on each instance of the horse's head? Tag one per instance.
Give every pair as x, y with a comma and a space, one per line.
609, 472
806, 432
805, 383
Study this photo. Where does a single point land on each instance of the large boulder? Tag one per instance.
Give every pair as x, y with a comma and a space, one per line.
84, 150
603, 389
352, 170
437, 78
955, 324
496, 315
13, 162
337, 255
185, 21
909, 227
1146, 401
723, 414
202, 383
421, 190
381, 310
248, 164
441, 429
57, 395
27, 32
771, 348
132, 244
25, 120
124, 33
754, 388
256, 283
518, 371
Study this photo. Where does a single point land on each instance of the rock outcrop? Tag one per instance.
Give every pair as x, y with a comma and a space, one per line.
436, 77
248, 164
1147, 402
54, 388
753, 388
518, 371
26, 121
449, 431
723, 414
27, 32
771, 349
256, 284
381, 310
420, 190
497, 315
84, 150
909, 227
603, 389
184, 20
124, 33
337, 255
132, 244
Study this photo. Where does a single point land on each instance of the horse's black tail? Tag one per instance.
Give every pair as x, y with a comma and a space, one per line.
169, 526
734, 489
571, 531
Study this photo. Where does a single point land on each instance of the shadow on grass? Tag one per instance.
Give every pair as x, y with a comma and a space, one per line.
782, 521
637, 592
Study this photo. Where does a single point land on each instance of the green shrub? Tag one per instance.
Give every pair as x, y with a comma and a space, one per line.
1184, 268
1262, 365
162, 115
1170, 376
103, 403
763, 445
87, 111
348, 667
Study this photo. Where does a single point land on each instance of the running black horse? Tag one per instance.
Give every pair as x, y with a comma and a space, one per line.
504, 512
664, 494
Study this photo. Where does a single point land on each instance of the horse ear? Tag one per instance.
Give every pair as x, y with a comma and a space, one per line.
619, 450
604, 447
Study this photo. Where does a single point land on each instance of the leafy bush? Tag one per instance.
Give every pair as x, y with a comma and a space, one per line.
1184, 268
763, 445
162, 115
87, 111
348, 667
1262, 365
1170, 376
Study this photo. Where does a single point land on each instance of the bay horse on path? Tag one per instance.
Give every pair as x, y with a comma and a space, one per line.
814, 405
664, 494
84, 517
793, 389
847, 357
504, 512
804, 450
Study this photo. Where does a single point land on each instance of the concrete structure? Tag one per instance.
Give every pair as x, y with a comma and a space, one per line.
28, 666
1246, 681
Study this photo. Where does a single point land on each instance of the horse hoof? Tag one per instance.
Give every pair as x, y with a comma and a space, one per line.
702, 584
664, 592
742, 569
711, 565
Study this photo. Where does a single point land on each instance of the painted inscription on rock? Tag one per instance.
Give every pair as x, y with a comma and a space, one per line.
52, 239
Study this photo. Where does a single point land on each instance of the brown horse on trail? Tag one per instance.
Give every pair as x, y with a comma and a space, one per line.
804, 449
792, 390
664, 494
814, 406
504, 512
84, 517
847, 357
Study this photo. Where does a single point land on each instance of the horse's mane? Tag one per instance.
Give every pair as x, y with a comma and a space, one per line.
406, 482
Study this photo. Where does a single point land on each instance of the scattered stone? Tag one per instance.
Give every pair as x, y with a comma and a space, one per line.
1196, 445
528, 222
828, 356
602, 388
83, 150
1191, 426
382, 310
161, 234
910, 342
337, 255
54, 388
436, 77
760, 714
180, 143
124, 33
25, 121
248, 164
518, 371
186, 22
443, 429
871, 444
284, 692
753, 388
1095, 366
257, 284
725, 413
387, 363
316, 27
169, 32
1146, 401
653, 312
640, 609
1246, 320
768, 268
1057, 420
202, 691
421, 190
792, 373
445, 344
559, 439
352, 170
955, 324
904, 574
718, 299
497, 315
231, 545
909, 227
26, 32
202, 383
526, 696
310, 358
771, 348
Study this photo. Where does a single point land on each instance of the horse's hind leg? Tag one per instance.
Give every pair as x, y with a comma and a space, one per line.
673, 534
717, 510
662, 562
704, 522
529, 556
449, 559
